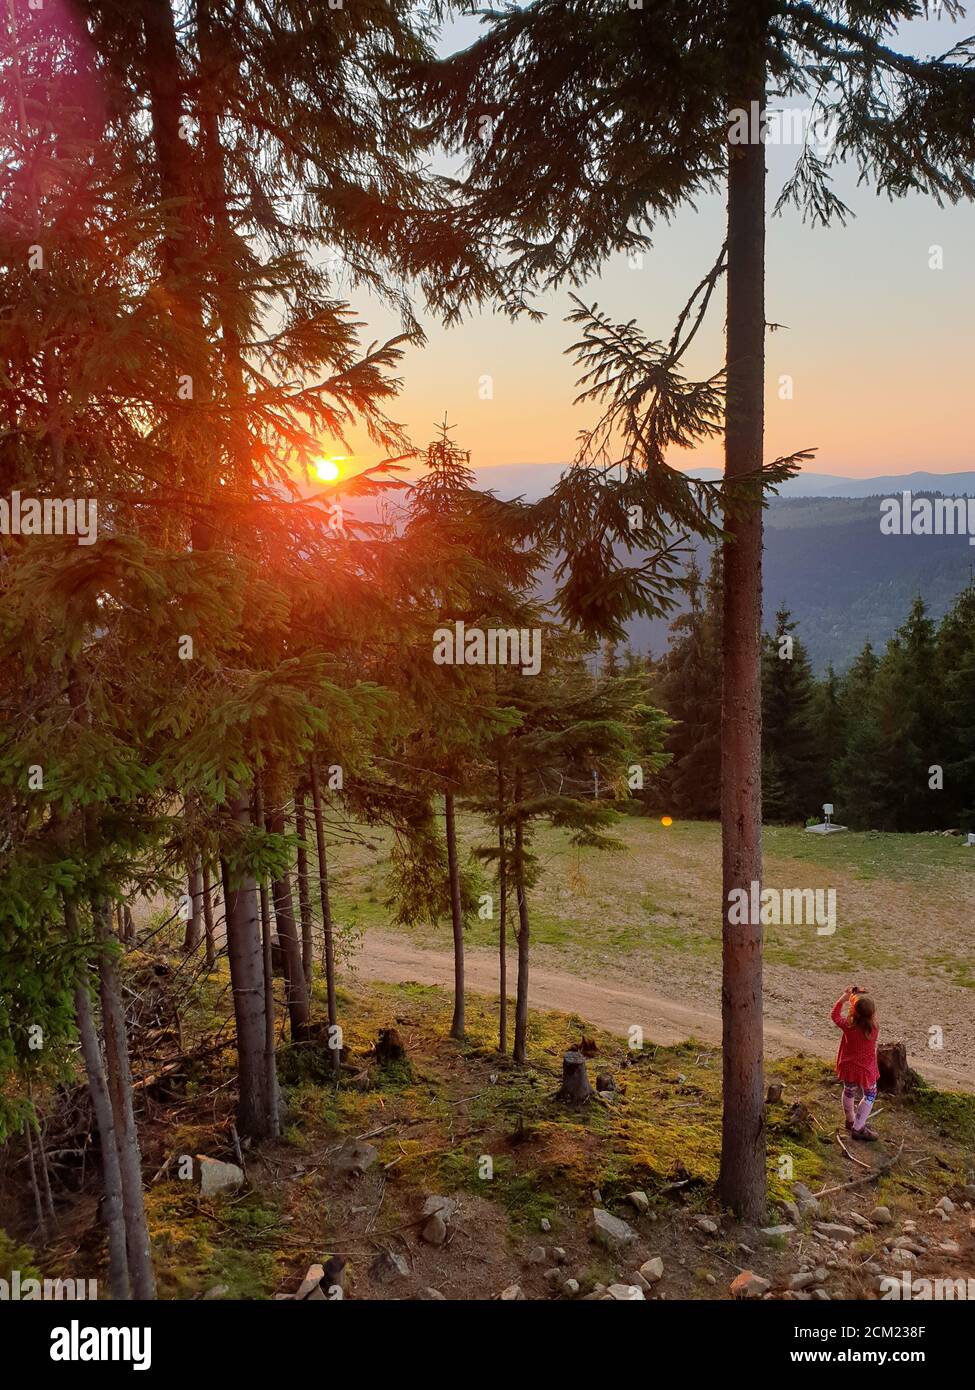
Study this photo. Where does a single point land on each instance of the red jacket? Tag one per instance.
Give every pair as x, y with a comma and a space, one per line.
856, 1061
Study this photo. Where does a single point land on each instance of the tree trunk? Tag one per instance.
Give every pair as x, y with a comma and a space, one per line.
742, 1181
119, 1073
316, 794
111, 1213
520, 1050
284, 916
194, 923
456, 917
502, 922
257, 1116
208, 918
44, 1173
304, 897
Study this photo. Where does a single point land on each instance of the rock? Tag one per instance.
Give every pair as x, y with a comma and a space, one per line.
512, 1294
950, 1247
605, 1082
215, 1176
908, 1243
908, 1227
945, 1204
835, 1230
559, 1255
705, 1224
639, 1200
821, 1294
536, 1256
545, 1225
218, 1291
609, 1230
881, 1216
710, 1279
571, 1287
645, 1285
748, 1284
434, 1230
434, 1295
808, 1204
626, 1293
553, 1276
311, 1286
387, 1265
770, 1234
446, 1206
819, 1274
792, 1212
802, 1281
859, 1220
653, 1269
355, 1157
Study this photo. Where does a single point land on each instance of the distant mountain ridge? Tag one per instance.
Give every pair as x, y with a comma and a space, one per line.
534, 480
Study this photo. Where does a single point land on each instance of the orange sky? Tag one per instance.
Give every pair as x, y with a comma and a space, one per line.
878, 344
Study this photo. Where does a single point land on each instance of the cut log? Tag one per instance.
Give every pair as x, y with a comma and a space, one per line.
575, 1088
896, 1077
774, 1093
389, 1047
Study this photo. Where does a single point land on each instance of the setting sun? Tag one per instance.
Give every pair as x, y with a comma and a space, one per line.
328, 470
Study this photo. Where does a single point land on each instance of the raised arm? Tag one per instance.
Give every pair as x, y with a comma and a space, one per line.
837, 1014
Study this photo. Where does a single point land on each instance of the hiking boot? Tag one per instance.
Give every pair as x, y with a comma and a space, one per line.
866, 1134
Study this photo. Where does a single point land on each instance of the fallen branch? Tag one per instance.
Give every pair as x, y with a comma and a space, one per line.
859, 1161
859, 1182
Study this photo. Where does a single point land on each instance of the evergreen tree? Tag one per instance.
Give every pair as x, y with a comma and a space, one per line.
791, 749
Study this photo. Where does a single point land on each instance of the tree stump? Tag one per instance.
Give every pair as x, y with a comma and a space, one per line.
774, 1093
389, 1047
575, 1088
896, 1077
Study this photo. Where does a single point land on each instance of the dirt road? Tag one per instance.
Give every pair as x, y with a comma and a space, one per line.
614, 1006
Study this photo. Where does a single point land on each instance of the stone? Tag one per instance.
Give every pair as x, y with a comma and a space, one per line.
512, 1294
819, 1274
215, 1176
218, 1291
881, 1216
559, 1255
802, 1281
553, 1276
710, 1279
821, 1294
355, 1157
808, 1204
645, 1285
545, 1225
605, 1082
705, 1224
653, 1269
434, 1295
536, 1256
434, 1230
835, 1230
792, 1212
950, 1247
571, 1287
748, 1284
945, 1204
446, 1206
639, 1200
311, 1286
609, 1230
388, 1265
770, 1234
859, 1220
626, 1293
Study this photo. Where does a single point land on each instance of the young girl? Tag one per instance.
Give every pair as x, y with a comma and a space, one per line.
856, 1061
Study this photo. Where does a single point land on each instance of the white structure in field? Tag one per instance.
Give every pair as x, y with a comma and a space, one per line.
826, 827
